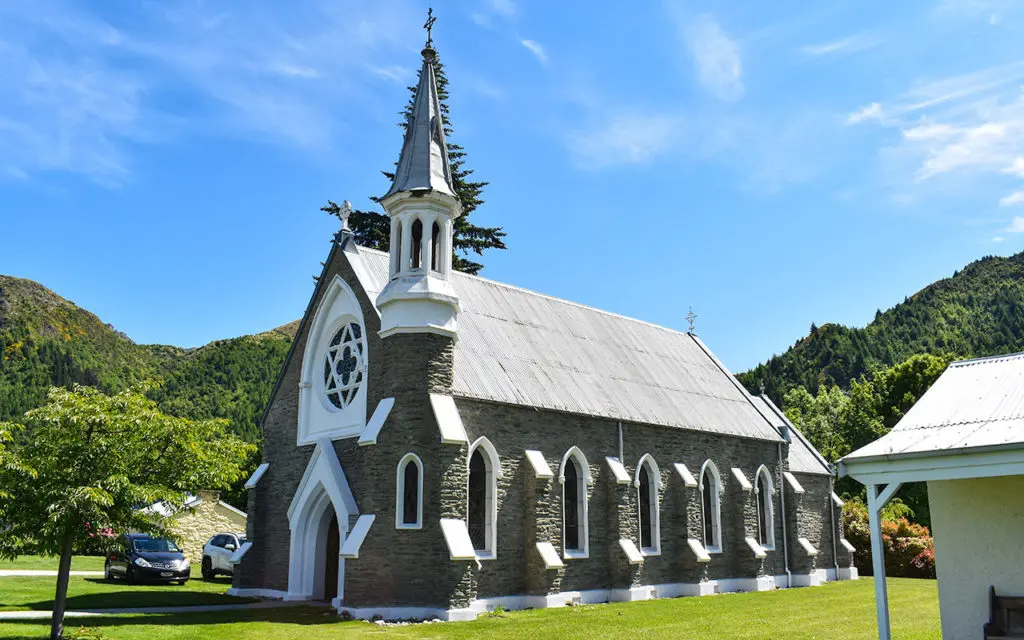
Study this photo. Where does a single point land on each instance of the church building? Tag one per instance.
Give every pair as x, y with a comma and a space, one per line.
439, 444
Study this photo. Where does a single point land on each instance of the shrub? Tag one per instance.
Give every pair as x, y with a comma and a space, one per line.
909, 548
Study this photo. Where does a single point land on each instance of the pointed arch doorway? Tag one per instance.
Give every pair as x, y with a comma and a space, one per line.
319, 518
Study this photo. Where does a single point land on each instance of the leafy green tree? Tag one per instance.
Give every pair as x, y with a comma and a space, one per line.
373, 229
94, 459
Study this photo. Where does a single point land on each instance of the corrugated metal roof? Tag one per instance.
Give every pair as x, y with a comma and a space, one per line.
803, 457
520, 347
974, 404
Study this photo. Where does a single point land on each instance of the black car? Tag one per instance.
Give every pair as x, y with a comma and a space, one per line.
138, 557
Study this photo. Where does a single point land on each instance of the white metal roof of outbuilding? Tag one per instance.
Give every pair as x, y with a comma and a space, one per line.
975, 405
524, 348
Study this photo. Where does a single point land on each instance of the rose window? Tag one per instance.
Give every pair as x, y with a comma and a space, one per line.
344, 365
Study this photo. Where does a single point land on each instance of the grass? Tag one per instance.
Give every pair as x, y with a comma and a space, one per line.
36, 593
837, 610
78, 563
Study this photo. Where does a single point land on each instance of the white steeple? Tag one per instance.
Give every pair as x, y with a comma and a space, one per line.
423, 207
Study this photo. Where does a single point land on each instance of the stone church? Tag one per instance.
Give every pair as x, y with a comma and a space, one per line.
439, 444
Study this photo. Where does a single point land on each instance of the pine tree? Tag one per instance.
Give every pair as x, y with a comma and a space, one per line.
373, 229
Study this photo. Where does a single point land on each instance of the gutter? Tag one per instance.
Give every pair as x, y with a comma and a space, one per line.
846, 462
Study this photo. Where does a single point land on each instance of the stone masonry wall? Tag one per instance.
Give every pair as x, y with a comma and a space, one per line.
198, 525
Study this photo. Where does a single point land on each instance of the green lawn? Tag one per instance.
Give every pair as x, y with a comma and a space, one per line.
21, 593
838, 610
78, 563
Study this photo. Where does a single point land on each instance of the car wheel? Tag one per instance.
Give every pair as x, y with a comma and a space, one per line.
182, 582
129, 575
107, 575
208, 573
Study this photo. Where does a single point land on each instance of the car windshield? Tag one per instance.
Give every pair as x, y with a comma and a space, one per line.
154, 545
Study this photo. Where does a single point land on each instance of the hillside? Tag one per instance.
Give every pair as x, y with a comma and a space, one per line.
979, 311
46, 340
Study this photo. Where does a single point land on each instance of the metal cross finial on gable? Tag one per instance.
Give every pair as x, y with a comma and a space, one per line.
691, 318
429, 25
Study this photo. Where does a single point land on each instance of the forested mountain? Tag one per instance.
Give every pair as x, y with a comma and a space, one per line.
46, 340
979, 311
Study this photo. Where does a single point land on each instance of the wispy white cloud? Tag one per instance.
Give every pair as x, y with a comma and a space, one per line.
81, 101
536, 49
625, 138
849, 44
506, 8
998, 239
1016, 225
716, 57
1016, 168
872, 111
1014, 199
484, 15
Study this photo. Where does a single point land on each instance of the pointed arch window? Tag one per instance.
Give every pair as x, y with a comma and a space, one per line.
396, 246
482, 507
648, 482
409, 493
711, 507
763, 490
417, 243
435, 247
574, 476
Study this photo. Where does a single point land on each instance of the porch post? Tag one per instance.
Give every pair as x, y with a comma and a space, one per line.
878, 562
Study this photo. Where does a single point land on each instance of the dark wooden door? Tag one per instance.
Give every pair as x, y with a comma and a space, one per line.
331, 561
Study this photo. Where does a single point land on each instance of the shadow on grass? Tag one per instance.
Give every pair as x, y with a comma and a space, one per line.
35, 629
124, 595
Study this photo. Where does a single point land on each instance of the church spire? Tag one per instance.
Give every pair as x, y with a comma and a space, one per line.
423, 165
422, 204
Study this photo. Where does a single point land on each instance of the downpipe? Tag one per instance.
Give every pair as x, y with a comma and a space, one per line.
785, 540
832, 513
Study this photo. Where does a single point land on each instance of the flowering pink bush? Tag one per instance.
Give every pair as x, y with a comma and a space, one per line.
909, 548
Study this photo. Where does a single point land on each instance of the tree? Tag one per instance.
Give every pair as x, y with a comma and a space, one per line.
94, 459
373, 229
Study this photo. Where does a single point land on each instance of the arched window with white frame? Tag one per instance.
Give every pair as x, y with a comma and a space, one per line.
482, 500
711, 507
574, 476
763, 491
409, 493
648, 483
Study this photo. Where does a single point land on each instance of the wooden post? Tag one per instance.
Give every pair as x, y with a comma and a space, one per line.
878, 562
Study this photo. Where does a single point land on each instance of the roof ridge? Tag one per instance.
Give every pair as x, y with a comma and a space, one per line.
970, 361
551, 297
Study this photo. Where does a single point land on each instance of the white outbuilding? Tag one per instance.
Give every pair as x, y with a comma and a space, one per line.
965, 438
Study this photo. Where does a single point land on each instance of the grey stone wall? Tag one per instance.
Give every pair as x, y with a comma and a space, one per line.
401, 567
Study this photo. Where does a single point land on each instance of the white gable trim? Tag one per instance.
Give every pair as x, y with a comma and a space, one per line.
619, 471
257, 475
232, 509
456, 536
632, 553
793, 482
239, 553
325, 468
376, 423
684, 473
756, 547
698, 550
807, 546
449, 422
350, 549
318, 418
541, 468
549, 555
742, 479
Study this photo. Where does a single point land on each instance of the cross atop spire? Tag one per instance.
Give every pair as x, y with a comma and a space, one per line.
423, 164
429, 25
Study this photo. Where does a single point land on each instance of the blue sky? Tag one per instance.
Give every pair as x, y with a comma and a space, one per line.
769, 164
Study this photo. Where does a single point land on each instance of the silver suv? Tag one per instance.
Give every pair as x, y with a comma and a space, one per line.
217, 554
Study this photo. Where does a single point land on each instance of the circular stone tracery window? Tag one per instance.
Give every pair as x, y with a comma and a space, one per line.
344, 365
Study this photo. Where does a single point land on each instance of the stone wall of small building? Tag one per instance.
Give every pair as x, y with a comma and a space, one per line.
197, 525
